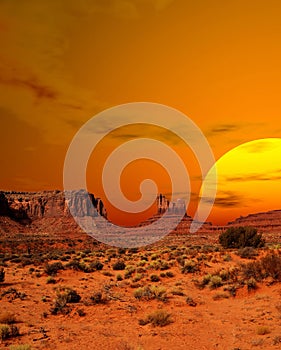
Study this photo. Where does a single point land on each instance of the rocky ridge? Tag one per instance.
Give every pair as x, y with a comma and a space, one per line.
50, 211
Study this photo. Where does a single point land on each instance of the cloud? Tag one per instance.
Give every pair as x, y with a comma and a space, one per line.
275, 175
226, 199
223, 128
259, 146
133, 131
31, 83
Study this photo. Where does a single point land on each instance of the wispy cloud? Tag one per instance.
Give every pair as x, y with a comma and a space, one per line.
275, 175
33, 84
224, 128
227, 199
259, 146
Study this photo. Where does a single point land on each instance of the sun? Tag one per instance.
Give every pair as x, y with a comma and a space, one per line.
248, 180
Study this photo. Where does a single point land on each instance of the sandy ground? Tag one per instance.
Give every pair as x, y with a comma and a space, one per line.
218, 321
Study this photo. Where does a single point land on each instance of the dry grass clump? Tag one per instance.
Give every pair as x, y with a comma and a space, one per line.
149, 293
20, 347
8, 331
189, 266
98, 298
190, 301
268, 266
247, 253
219, 296
119, 265
158, 318
215, 282
65, 295
52, 269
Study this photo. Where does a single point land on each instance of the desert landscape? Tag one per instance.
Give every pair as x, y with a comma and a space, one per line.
61, 289
140, 176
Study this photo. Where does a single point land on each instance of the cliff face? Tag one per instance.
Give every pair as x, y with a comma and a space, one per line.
25, 207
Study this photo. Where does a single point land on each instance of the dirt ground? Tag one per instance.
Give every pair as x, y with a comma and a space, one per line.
207, 299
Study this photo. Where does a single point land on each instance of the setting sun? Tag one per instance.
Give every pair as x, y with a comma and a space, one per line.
248, 180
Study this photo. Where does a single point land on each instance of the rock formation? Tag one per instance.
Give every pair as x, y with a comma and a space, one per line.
25, 207
267, 221
163, 205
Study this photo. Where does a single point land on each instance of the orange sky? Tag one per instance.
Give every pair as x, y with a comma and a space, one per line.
61, 62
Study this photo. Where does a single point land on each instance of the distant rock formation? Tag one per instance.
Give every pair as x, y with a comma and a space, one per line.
264, 222
50, 212
25, 207
163, 205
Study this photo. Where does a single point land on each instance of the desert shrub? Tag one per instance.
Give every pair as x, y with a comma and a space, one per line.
154, 256
119, 265
81, 266
169, 274
142, 262
206, 279
96, 265
98, 298
252, 269
224, 274
226, 257
149, 293
12, 294
189, 266
247, 253
133, 250
140, 270
60, 305
81, 312
65, 295
271, 264
20, 347
154, 278
52, 269
220, 296
71, 295
163, 265
177, 291
159, 318
138, 277
8, 331
122, 251
74, 265
190, 301
240, 237
7, 318
268, 266
4, 332
119, 277
143, 293
251, 283
51, 280
215, 281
